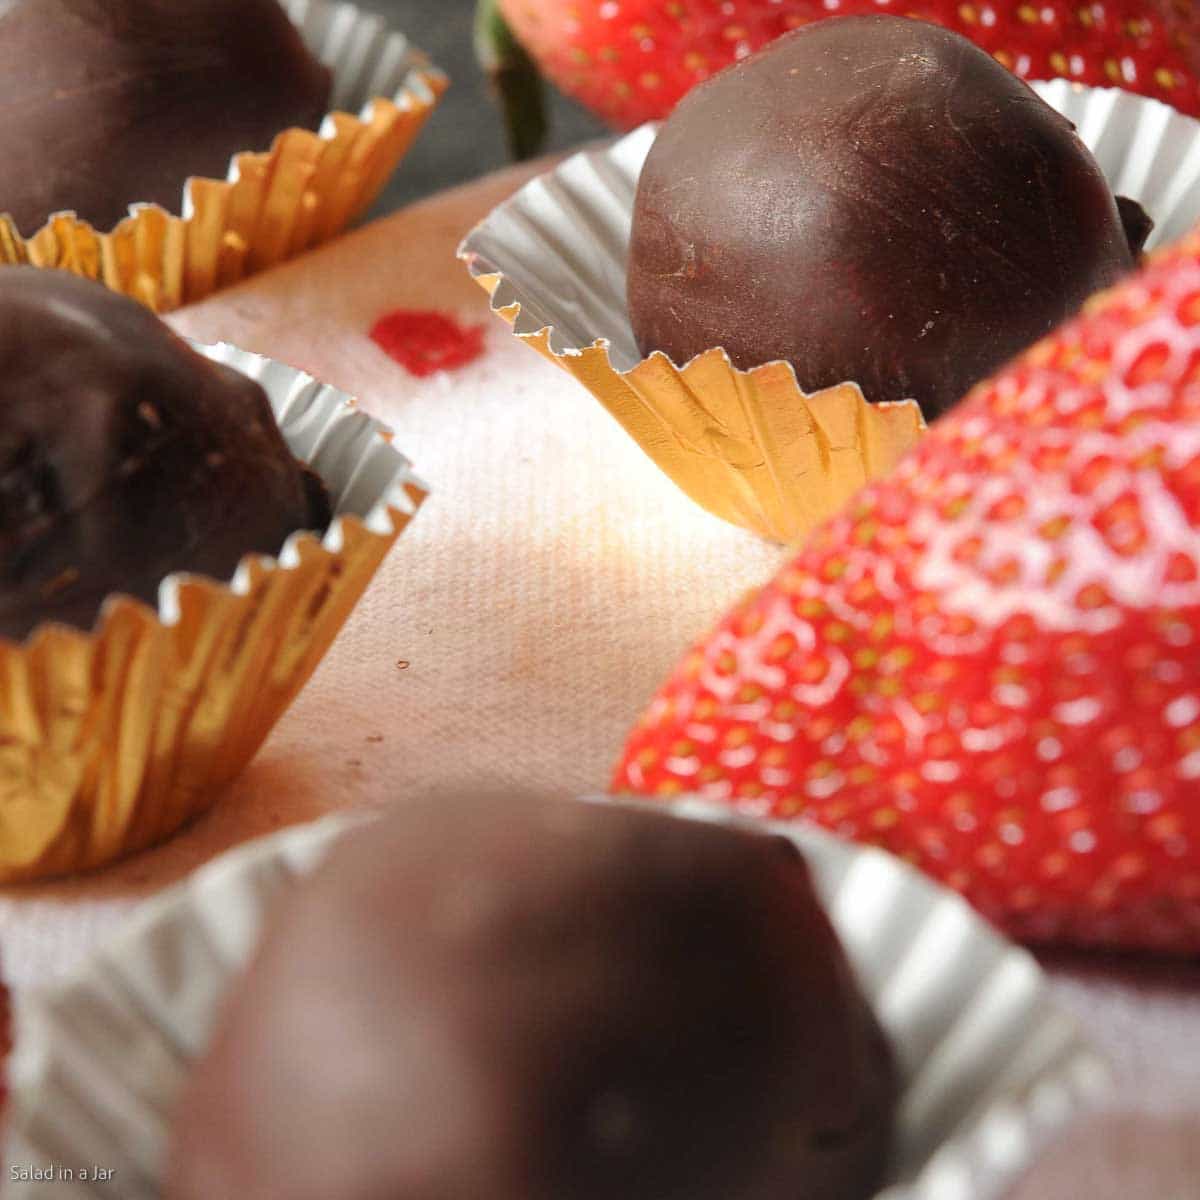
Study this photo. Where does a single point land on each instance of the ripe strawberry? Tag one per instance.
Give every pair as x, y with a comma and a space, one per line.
631, 60
991, 663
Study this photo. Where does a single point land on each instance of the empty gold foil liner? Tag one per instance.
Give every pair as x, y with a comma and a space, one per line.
111, 740
274, 205
750, 446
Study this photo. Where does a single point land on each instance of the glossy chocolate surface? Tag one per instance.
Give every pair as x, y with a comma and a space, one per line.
125, 456
875, 200
107, 102
543, 1000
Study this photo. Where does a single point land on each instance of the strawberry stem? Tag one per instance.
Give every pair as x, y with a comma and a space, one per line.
516, 83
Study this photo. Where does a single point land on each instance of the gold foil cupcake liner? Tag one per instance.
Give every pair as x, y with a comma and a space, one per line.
991, 1067
752, 446
274, 205
111, 740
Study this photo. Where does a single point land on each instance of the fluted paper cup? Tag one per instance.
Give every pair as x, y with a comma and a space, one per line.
110, 740
752, 446
273, 205
990, 1067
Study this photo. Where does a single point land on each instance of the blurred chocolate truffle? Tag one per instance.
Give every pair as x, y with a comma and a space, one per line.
543, 1000
876, 200
125, 456
107, 102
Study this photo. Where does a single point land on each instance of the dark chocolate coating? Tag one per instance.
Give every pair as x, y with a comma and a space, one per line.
107, 102
1137, 224
875, 200
543, 1000
125, 456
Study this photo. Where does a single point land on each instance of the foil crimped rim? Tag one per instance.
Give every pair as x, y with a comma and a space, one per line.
1052, 1076
616, 167
146, 254
552, 258
331, 28
992, 1067
1146, 149
114, 737
703, 423
403, 72
320, 423
1112, 122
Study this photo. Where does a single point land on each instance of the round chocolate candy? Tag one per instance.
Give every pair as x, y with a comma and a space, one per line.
126, 456
875, 200
108, 102
543, 1000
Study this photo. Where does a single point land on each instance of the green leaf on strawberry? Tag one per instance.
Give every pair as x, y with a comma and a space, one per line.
515, 82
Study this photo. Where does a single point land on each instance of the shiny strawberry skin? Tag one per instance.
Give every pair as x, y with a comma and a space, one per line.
632, 60
990, 664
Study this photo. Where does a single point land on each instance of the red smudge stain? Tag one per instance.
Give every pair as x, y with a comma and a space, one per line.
425, 342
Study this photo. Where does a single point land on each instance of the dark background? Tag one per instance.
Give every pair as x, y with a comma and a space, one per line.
464, 138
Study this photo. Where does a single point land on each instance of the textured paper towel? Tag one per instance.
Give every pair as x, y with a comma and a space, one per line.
546, 587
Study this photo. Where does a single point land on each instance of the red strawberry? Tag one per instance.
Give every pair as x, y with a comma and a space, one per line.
631, 60
991, 663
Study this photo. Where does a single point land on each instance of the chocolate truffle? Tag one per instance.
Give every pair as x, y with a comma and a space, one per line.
543, 1000
107, 102
125, 456
873, 199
